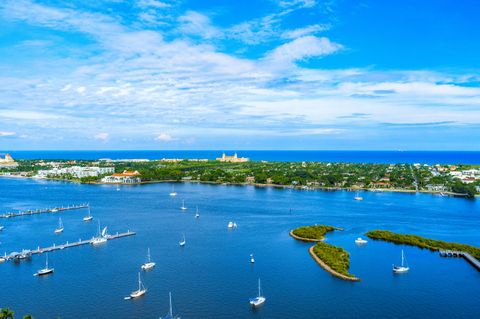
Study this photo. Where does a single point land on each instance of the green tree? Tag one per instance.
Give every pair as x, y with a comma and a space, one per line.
6, 313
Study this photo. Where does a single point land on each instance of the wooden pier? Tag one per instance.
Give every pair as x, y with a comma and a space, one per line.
27, 253
461, 254
43, 211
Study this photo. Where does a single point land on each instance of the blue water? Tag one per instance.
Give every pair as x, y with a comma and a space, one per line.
212, 277
424, 157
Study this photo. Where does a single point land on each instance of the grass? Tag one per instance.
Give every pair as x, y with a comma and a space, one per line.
422, 242
313, 232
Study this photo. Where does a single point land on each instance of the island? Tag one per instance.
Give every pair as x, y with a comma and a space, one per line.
333, 259
422, 242
458, 180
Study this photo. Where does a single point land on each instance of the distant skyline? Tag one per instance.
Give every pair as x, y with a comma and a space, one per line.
239, 75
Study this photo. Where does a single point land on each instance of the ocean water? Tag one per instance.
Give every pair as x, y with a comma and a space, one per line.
389, 157
212, 277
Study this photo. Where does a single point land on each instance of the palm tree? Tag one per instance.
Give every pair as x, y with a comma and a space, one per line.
6, 314
27, 317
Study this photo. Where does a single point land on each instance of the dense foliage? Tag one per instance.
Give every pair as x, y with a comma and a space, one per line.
414, 240
313, 232
334, 257
6, 313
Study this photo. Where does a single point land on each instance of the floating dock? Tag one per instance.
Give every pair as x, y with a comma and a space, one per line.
44, 211
27, 253
461, 254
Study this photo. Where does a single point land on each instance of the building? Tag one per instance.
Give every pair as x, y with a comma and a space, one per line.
232, 159
75, 171
7, 161
126, 177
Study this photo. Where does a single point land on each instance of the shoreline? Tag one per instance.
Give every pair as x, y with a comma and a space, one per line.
308, 240
321, 188
328, 269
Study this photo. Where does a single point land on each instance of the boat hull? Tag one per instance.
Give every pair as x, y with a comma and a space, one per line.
148, 266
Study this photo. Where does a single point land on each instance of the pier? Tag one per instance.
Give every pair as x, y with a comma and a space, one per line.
27, 253
461, 254
44, 211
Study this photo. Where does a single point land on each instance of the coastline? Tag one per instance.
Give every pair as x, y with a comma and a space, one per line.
321, 188
330, 270
309, 240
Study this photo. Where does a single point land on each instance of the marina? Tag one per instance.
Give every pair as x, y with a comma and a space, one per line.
43, 211
28, 253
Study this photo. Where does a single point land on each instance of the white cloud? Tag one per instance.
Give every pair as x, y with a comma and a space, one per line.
4, 134
195, 23
153, 3
164, 137
308, 30
303, 48
103, 136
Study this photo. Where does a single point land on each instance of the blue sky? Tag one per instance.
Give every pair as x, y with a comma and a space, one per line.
265, 74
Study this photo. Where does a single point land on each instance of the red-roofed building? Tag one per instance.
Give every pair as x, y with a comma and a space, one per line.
126, 177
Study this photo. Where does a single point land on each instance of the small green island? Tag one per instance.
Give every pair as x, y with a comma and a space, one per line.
333, 259
422, 242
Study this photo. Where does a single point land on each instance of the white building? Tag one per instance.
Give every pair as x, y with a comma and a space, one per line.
76, 171
126, 177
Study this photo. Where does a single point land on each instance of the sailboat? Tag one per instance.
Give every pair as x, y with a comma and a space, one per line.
252, 260
197, 214
89, 217
148, 264
403, 267
170, 311
259, 300
357, 196
173, 193
183, 241
232, 225
360, 241
140, 291
183, 205
44, 271
100, 237
59, 229
2, 227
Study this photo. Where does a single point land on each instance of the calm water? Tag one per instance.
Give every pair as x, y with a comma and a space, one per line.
428, 157
212, 277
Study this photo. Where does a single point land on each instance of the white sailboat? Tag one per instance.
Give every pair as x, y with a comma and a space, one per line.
259, 300
360, 241
149, 264
46, 270
173, 193
100, 237
59, 229
140, 291
183, 241
2, 227
170, 310
197, 214
357, 196
183, 205
403, 268
252, 260
232, 225
89, 217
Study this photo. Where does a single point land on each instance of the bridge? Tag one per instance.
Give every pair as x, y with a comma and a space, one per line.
461, 254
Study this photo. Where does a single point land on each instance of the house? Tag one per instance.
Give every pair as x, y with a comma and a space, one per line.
126, 177
232, 159
7, 162
250, 179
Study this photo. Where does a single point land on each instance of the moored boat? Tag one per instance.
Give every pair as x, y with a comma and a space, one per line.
403, 268
259, 300
46, 270
149, 264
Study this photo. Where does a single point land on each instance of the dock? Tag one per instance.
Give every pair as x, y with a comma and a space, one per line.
461, 254
27, 253
43, 211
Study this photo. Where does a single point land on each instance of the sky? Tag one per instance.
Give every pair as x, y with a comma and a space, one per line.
233, 75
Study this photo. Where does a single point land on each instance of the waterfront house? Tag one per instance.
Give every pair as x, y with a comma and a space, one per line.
126, 177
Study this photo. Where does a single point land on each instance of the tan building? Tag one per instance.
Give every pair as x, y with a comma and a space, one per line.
126, 177
7, 161
232, 159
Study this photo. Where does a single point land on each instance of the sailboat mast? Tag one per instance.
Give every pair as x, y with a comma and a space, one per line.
259, 287
402, 257
139, 283
46, 266
171, 311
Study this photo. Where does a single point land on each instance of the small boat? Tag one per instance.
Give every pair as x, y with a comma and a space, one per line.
183, 205
170, 311
100, 237
3, 258
140, 291
118, 188
25, 254
183, 241
2, 228
89, 217
232, 225
360, 241
148, 264
46, 270
60, 227
259, 300
173, 193
252, 260
358, 197
54, 210
403, 268
197, 214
